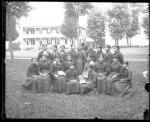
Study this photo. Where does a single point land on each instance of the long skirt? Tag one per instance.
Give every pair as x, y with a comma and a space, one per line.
73, 87
122, 88
86, 87
30, 84
109, 81
79, 66
59, 84
43, 84
101, 84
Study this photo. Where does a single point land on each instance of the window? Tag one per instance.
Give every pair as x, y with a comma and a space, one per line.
58, 41
32, 31
66, 41
32, 41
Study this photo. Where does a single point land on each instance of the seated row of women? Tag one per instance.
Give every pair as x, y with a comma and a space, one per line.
60, 76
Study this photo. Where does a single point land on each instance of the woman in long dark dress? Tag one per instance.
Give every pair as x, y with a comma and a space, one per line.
114, 69
72, 79
58, 76
73, 54
108, 55
44, 79
32, 76
90, 81
101, 69
81, 58
62, 54
66, 64
123, 85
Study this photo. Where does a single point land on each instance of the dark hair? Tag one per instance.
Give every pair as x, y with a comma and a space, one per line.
55, 46
100, 46
117, 47
108, 46
33, 58
114, 56
91, 66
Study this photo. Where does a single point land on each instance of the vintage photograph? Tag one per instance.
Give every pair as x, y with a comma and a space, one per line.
76, 60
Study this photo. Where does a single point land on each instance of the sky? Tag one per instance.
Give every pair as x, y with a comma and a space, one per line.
52, 14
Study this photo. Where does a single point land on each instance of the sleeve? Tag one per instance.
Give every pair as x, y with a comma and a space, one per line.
29, 71
94, 76
51, 69
129, 76
39, 56
121, 58
110, 58
106, 69
67, 76
85, 67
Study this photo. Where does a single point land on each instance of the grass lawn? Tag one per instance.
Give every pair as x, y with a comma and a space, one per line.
53, 105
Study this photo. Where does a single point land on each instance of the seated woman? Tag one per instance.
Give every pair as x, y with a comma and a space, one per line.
101, 69
66, 64
114, 69
32, 76
44, 80
89, 61
72, 79
58, 76
123, 84
89, 81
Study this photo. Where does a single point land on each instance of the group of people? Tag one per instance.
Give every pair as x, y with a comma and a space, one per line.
79, 71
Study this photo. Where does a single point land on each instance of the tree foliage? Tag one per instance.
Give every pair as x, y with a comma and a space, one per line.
69, 26
96, 26
146, 25
11, 31
14, 10
119, 21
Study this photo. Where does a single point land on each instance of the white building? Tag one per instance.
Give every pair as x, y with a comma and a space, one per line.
35, 36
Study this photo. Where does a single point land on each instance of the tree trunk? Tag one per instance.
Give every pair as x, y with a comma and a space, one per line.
130, 42
10, 42
127, 41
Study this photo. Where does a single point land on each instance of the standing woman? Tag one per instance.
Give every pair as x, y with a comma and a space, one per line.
66, 64
73, 54
44, 80
114, 69
101, 69
55, 52
108, 55
58, 76
81, 58
62, 54
32, 76
118, 54
91, 53
44, 52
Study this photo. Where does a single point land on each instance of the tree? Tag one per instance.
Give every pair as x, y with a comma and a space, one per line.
96, 27
12, 30
81, 9
69, 26
145, 23
134, 26
14, 10
118, 21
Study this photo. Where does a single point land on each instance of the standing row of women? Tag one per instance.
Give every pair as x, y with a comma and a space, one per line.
79, 71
